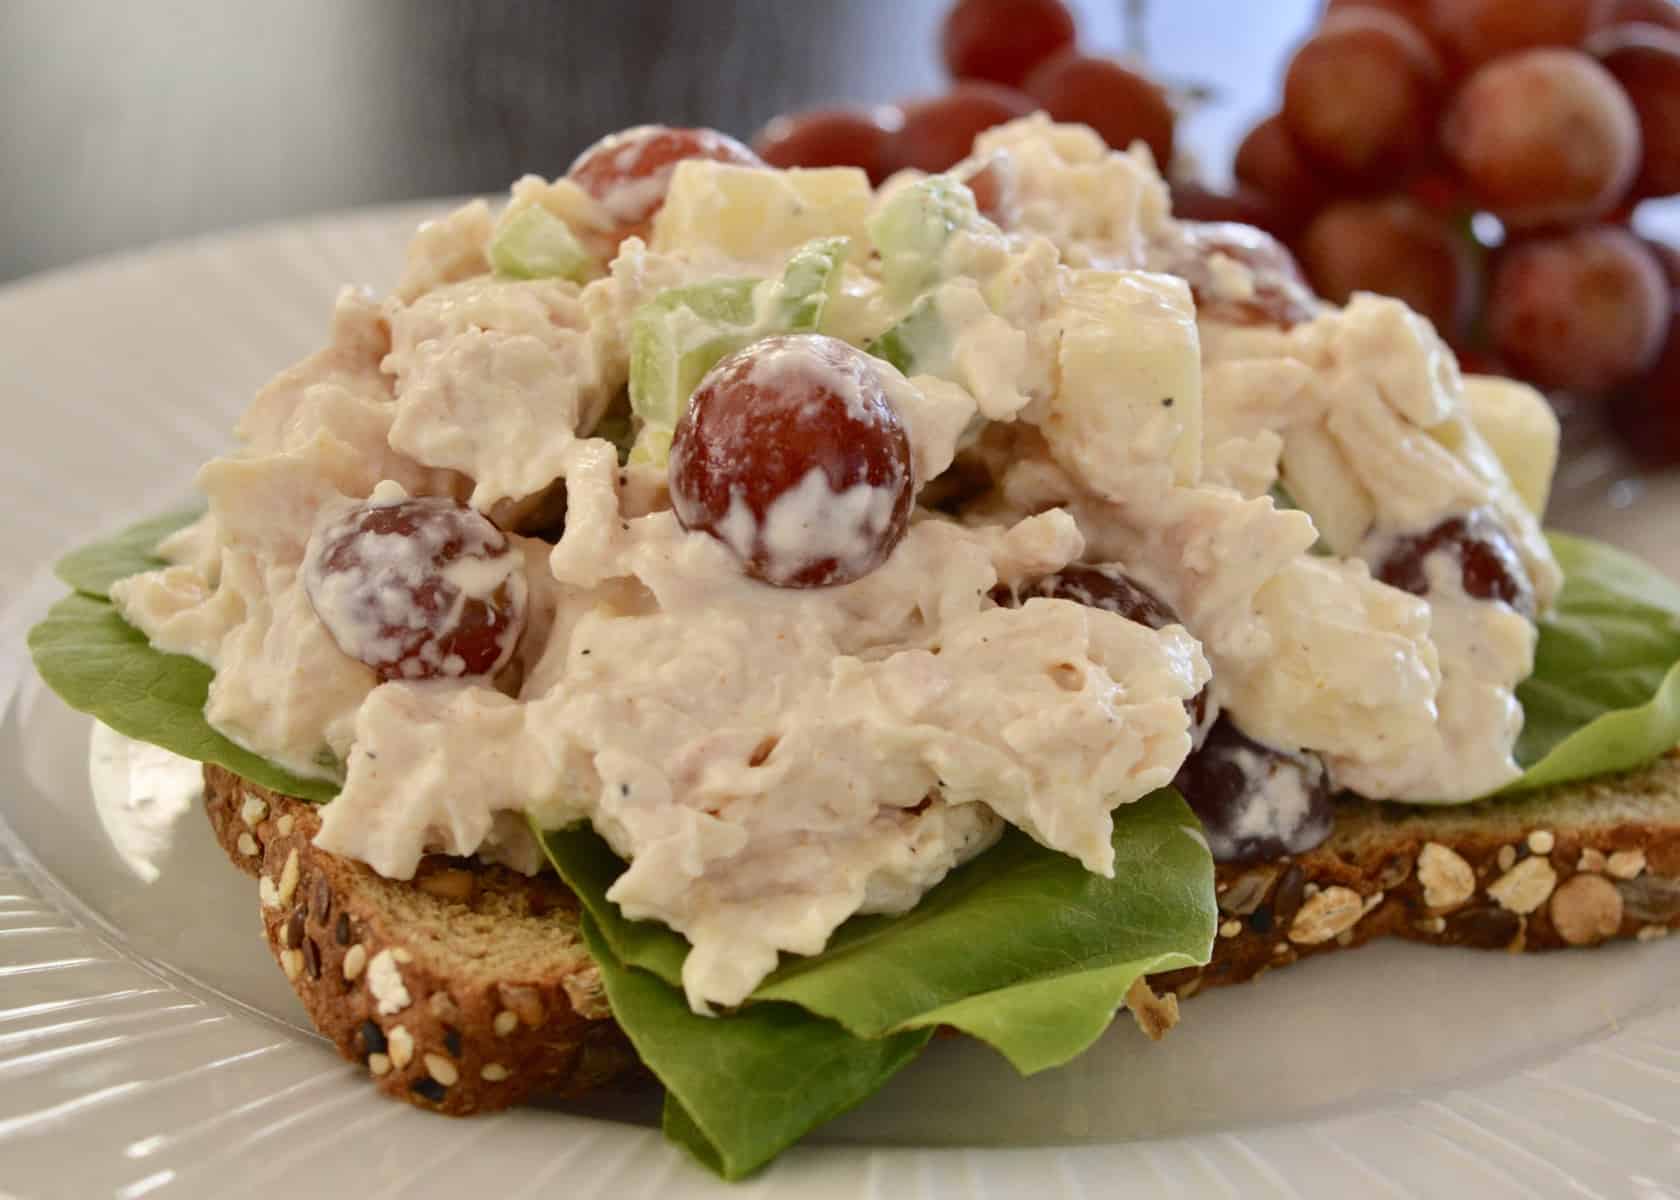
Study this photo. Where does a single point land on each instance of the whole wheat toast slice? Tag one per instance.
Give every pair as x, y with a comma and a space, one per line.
467, 989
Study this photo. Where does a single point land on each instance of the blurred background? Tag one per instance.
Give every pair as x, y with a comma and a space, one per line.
1508, 167
128, 123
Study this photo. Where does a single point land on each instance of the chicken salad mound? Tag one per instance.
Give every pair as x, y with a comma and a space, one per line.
800, 538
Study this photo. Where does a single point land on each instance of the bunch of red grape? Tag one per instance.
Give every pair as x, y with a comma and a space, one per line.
1007, 58
1480, 159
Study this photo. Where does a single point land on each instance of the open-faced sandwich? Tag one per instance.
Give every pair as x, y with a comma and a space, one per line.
742, 623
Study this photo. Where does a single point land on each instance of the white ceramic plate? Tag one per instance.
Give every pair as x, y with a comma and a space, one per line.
148, 1045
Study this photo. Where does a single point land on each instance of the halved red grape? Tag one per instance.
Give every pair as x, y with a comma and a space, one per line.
1645, 60
831, 137
629, 172
1255, 802
1108, 587
1478, 546
1545, 137
1361, 96
940, 132
418, 588
1584, 312
1393, 247
1269, 161
791, 454
1279, 297
1474, 32
1122, 105
1001, 41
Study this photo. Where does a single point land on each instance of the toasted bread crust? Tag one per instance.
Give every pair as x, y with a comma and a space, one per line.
381, 984
1568, 868
1572, 867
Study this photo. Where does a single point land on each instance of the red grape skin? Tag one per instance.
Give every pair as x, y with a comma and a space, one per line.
1668, 260
1121, 104
1415, 11
939, 133
1269, 161
1396, 248
1645, 60
1647, 415
1583, 312
1362, 95
1488, 564
1108, 587
1227, 777
1474, 32
1001, 41
1663, 13
759, 425
614, 169
1545, 137
380, 557
1241, 205
1280, 297
831, 137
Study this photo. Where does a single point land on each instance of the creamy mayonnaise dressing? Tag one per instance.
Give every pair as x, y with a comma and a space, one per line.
770, 760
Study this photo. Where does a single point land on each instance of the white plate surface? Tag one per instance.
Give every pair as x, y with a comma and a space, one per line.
148, 1045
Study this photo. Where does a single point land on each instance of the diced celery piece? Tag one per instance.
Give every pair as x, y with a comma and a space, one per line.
533, 243
920, 343
653, 445
811, 275
911, 230
678, 336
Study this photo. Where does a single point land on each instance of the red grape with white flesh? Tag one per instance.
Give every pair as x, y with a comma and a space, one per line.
1255, 803
629, 172
422, 588
1584, 312
1477, 544
1278, 296
1545, 137
1362, 95
1001, 41
1269, 161
1108, 587
1122, 105
1647, 414
1474, 32
1665, 14
1397, 249
940, 132
1646, 61
831, 137
792, 455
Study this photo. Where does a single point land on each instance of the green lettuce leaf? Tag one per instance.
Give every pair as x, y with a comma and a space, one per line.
95, 567
101, 665
1062, 944
1605, 693
743, 1087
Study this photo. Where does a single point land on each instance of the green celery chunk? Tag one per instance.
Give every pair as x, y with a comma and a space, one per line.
533, 243
913, 228
920, 344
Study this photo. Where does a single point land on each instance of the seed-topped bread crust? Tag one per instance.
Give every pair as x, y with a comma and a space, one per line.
464, 990
467, 989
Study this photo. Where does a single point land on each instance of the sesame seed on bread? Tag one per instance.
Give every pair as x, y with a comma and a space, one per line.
467, 989
464, 990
